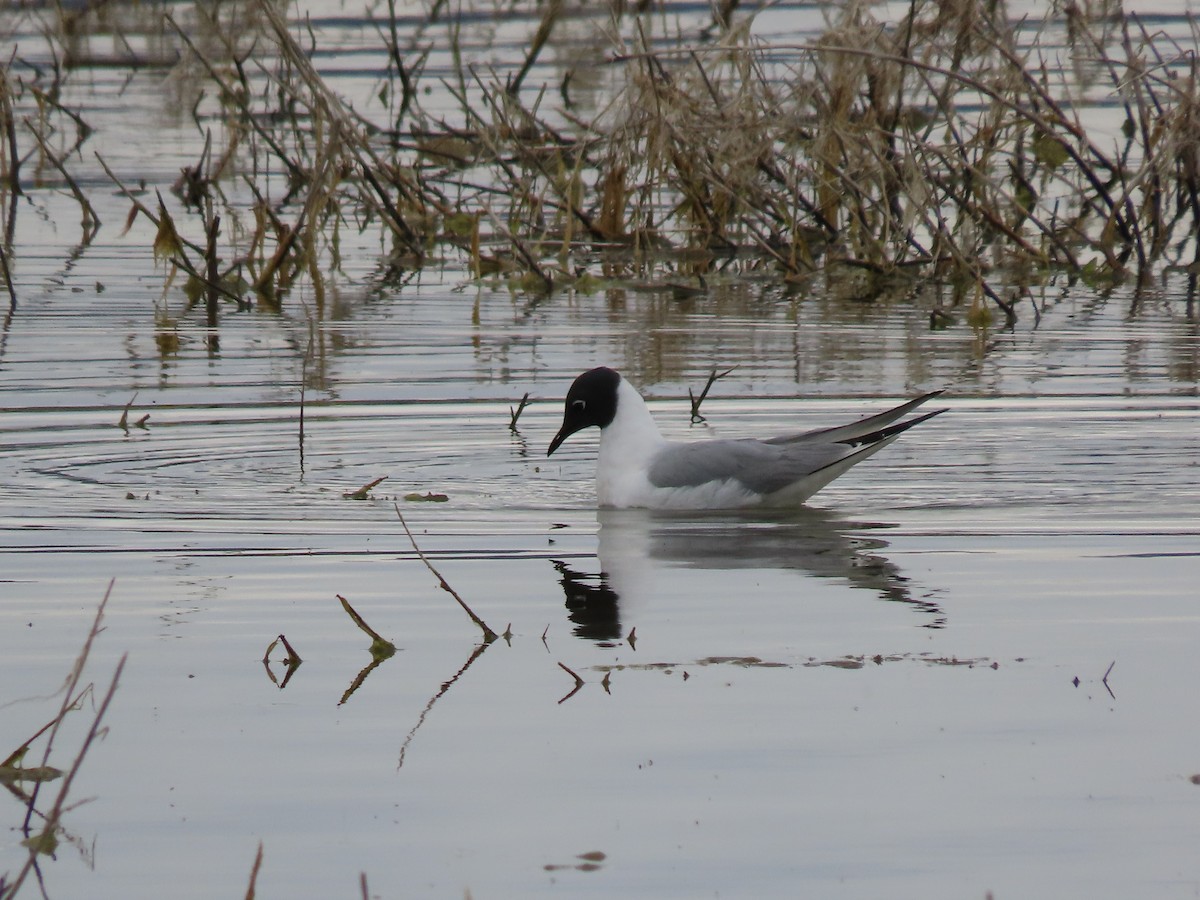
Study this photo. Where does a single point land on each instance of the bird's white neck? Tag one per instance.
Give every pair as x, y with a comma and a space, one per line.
626, 447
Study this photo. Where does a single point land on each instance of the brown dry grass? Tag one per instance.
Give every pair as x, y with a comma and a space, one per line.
948, 146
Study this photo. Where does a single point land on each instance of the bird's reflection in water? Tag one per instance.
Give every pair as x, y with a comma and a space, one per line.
637, 546
591, 604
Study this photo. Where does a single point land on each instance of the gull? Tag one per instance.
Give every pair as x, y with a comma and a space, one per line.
639, 468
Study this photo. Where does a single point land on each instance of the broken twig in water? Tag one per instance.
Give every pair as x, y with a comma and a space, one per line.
488, 634
8, 282
713, 377
258, 858
578, 682
290, 666
381, 647
516, 413
363, 492
303, 387
293, 658
123, 422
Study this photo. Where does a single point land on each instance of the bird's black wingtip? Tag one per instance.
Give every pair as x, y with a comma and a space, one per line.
892, 430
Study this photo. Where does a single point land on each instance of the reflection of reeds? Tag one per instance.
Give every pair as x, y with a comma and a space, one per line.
44, 838
946, 145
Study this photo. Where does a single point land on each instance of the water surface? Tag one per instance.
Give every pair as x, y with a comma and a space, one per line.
969, 666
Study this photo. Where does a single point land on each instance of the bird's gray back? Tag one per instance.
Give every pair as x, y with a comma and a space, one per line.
757, 465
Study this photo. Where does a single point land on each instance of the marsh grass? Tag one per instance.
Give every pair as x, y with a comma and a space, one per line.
43, 827
942, 148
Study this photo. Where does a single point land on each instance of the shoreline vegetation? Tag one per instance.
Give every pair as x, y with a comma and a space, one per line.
952, 147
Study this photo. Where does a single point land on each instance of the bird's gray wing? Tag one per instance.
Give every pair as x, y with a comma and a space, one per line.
857, 429
759, 466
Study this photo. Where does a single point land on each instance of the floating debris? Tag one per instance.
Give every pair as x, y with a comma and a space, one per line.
430, 497
364, 492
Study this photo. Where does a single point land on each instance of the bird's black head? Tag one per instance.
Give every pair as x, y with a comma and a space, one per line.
592, 400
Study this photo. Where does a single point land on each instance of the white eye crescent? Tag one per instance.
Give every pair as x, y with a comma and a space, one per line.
579, 404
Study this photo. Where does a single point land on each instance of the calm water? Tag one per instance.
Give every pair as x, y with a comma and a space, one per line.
897, 692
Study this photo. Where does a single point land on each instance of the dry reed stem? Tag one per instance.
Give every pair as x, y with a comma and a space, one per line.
254, 869
516, 413
579, 682
8, 282
713, 378
549, 18
165, 225
380, 646
828, 157
488, 634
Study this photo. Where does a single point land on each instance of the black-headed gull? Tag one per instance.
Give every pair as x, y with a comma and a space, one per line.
638, 467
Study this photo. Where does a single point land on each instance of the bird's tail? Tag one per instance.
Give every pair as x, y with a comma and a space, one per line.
892, 431
857, 432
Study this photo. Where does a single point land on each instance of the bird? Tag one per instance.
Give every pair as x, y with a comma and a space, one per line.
638, 468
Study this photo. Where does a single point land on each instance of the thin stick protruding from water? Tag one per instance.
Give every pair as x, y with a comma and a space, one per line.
12, 291
516, 413
258, 858
123, 422
212, 295
488, 634
578, 682
363, 492
381, 647
713, 377
303, 386
293, 657
1104, 680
